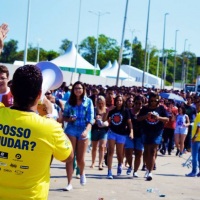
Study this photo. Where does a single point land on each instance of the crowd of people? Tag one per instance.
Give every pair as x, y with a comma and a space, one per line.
123, 120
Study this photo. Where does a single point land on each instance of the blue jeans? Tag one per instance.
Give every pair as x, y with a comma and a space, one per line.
195, 156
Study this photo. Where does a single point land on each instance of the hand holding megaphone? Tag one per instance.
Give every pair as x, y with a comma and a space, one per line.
52, 79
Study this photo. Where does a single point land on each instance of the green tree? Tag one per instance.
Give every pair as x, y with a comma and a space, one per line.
9, 52
64, 46
107, 50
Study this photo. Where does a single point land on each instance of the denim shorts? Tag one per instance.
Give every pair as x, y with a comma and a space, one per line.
98, 134
75, 131
181, 130
128, 143
119, 139
137, 143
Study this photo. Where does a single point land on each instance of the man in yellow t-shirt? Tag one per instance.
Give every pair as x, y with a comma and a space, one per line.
28, 141
196, 144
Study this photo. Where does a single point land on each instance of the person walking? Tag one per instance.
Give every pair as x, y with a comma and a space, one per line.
152, 117
79, 113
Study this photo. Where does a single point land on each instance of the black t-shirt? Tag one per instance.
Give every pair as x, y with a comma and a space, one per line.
191, 112
118, 121
151, 124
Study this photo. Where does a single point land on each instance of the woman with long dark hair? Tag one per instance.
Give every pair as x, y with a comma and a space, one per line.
118, 119
134, 144
79, 113
152, 117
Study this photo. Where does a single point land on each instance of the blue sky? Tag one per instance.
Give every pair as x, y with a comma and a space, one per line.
51, 21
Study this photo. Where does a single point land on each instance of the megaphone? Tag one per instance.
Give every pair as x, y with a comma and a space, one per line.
52, 76
52, 79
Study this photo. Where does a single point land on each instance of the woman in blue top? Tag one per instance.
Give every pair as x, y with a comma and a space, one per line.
79, 113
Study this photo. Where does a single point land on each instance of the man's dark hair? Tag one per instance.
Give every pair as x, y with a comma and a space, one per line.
4, 69
26, 86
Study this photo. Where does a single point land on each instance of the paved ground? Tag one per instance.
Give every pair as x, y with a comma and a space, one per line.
169, 182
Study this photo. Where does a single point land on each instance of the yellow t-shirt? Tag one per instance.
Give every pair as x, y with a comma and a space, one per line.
196, 124
27, 143
1, 105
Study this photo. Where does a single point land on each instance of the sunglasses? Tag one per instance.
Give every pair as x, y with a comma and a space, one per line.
154, 101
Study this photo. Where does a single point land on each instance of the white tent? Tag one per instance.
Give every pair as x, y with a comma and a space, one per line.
111, 71
138, 74
71, 58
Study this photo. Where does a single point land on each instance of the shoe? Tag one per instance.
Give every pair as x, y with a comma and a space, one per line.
83, 179
100, 168
129, 170
177, 152
154, 167
119, 170
78, 176
144, 168
68, 188
180, 154
146, 174
149, 177
198, 175
109, 176
169, 153
162, 151
191, 174
135, 175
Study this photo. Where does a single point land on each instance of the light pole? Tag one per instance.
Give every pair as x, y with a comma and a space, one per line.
122, 43
187, 64
27, 31
77, 37
145, 54
183, 65
163, 53
174, 79
99, 14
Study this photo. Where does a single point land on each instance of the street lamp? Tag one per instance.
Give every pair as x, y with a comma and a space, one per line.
183, 65
122, 43
145, 55
174, 79
163, 59
99, 14
77, 37
27, 30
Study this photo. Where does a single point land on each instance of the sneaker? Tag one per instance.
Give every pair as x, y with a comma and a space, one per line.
180, 154
198, 175
119, 170
149, 177
146, 174
78, 176
129, 170
191, 174
109, 176
83, 179
177, 152
135, 175
68, 188
144, 168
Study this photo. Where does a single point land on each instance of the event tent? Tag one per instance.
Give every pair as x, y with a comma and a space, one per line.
110, 71
71, 58
138, 74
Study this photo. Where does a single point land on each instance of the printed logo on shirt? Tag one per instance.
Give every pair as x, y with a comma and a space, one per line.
7, 170
13, 165
18, 172
3, 155
3, 164
151, 119
24, 167
117, 118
